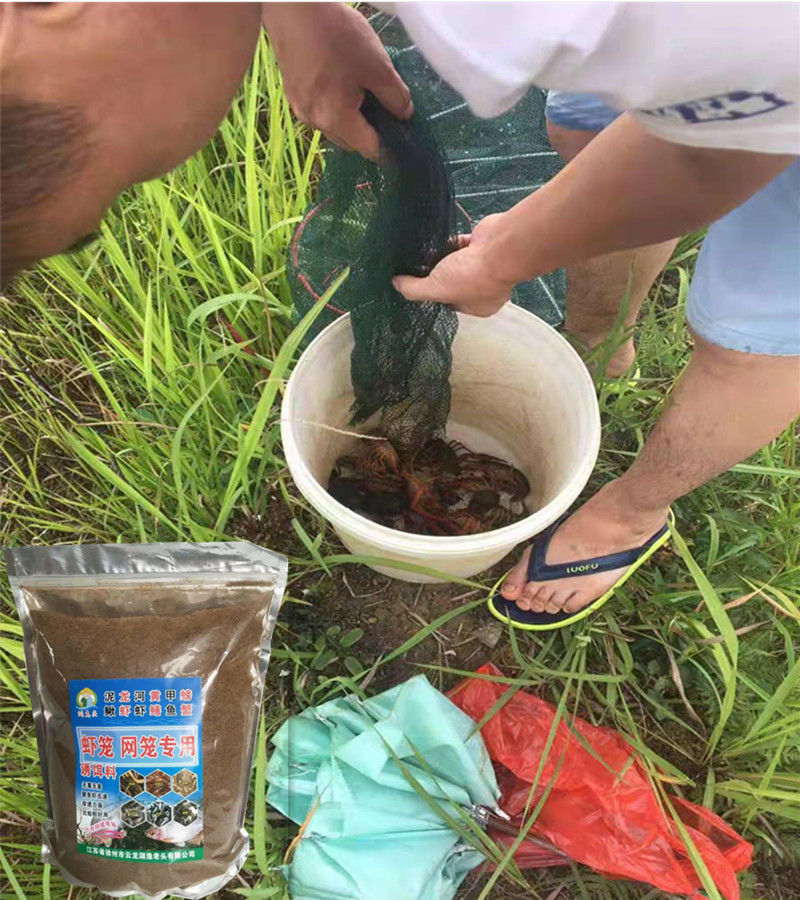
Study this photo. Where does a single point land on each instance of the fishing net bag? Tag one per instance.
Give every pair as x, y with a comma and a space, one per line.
441, 173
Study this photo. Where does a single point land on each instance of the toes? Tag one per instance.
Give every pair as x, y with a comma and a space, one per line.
528, 597
541, 597
524, 602
530, 593
515, 580
575, 602
558, 601
554, 605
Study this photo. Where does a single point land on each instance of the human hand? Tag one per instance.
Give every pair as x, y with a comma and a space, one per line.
329, 55
470, 278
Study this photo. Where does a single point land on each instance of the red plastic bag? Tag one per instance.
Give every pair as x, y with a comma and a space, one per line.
603, 814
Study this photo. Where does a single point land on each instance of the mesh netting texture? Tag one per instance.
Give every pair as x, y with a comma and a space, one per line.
441, 173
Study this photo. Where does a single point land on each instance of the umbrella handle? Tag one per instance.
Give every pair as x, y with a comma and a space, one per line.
498, 823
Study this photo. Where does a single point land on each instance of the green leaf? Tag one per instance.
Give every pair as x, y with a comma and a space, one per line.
353, 666
352, 637
323, 659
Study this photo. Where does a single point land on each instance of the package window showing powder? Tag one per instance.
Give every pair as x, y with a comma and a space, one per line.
146, 665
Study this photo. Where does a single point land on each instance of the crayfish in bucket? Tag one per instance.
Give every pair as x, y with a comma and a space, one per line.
445, 489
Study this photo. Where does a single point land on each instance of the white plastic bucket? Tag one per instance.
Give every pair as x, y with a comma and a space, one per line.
519, 391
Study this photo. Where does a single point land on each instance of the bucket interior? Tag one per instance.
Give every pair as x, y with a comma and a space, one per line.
518, 392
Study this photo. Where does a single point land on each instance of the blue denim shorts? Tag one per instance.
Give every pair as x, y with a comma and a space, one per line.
745, 294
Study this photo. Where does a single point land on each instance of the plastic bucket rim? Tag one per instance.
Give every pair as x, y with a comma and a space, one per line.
371, 532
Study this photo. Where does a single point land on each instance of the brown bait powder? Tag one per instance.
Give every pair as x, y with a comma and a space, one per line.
217, 632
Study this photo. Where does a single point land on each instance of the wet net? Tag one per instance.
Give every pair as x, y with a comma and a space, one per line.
442, 172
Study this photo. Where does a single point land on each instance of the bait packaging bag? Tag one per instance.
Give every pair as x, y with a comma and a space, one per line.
146, 666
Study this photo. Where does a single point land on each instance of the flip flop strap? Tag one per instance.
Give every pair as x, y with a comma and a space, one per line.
539, 570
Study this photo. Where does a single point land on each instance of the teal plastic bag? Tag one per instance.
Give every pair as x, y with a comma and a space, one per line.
339, 768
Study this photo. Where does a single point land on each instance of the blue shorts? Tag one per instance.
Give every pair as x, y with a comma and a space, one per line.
745, 294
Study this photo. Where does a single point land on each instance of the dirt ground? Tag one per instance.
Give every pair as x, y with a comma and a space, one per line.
389, 611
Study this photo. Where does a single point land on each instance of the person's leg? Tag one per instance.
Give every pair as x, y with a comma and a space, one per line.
725, 406
740, 389
597, 287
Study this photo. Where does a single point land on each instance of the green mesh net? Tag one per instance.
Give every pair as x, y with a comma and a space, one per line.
443, 172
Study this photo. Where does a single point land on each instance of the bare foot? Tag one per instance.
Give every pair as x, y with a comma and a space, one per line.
601, 526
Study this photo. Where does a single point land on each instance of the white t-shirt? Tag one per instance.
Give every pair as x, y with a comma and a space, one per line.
699, 73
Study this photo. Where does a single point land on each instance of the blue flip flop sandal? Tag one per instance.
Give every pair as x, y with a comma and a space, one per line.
538, 570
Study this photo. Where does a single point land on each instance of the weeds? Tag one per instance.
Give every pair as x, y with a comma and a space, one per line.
139, 388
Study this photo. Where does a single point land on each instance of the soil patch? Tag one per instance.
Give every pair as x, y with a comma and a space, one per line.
776, 880
389, 612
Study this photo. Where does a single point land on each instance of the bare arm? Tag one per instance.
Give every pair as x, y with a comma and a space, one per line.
627, 188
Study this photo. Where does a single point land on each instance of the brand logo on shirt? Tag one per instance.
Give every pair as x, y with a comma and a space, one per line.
721, 107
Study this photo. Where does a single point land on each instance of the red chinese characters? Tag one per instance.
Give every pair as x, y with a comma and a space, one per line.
88, 745
97, 745
167, 745
148, 746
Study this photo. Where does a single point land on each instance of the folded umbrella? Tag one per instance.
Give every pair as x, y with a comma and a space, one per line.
346, 771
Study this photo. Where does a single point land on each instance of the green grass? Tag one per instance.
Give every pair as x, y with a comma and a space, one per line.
129, 412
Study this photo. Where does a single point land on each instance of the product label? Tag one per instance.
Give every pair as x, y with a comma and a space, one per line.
139, 778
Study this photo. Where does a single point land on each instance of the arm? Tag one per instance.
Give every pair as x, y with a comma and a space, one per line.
329, 55
626, 189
